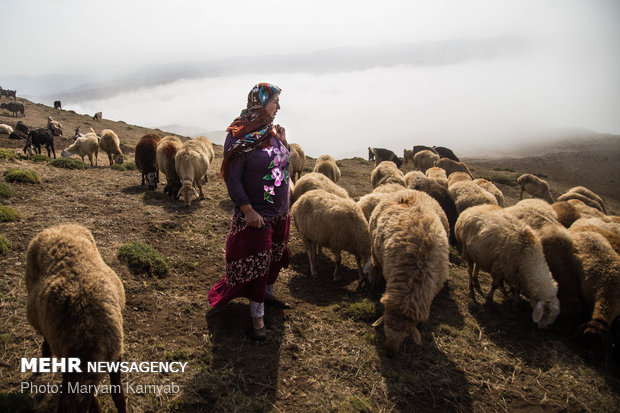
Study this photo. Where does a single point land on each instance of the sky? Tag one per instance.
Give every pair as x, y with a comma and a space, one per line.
471, 75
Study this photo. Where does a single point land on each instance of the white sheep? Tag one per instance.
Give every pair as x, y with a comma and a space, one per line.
316, 180
54, 126
191, 163
438, 174
209, 150
592, 203
584, 210
87, 145
387, 172
425, 159
5, 129
588, 193
110, 144
497, 242
326, 164
410, 249
451, 166
75, 301
411, 176
492, 189
167, 149
458, 177
467, 194
533, 185
297, 161
327, 220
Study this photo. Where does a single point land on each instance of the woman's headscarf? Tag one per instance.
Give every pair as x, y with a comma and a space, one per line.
253, 126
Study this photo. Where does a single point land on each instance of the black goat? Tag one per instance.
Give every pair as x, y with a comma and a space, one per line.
419, 148
57, 104
38, 137
380, 155
13, 107
445, 153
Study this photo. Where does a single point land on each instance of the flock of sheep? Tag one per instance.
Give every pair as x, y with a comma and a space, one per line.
562, 256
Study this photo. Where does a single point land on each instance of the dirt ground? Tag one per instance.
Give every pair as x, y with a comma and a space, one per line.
321, 355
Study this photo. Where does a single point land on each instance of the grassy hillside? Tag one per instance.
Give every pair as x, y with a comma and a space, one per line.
321, 355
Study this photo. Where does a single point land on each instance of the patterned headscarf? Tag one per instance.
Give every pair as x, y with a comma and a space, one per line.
253, 126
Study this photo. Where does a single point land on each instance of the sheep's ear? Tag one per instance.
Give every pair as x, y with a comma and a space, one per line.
538, 312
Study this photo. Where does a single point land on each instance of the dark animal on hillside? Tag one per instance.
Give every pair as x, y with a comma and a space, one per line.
13, 107
21, 131
418, 148
380, 155
445, 153
145, 156
8, 93
442, 196
57, 104
38, 137
98, 116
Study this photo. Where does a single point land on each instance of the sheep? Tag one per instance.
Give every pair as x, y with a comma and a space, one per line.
387, 172
533, 185
440, 194
297, 161
76, 302
451, 166
588, 225
208, 148
146, 162
324, 219
606, 224
408, 156
21, 131
191, 163
438, 174
380, 155
467, 194
54, 126
566, 212
458, 177
14, 108
167, 149
497, 242
418, 148
369, 202
583, 198
316, 180
446, 153
601, 288
110, 144
424, 160
492, 189
559, 252
8, 93
98, 116
588, 193
5, 129
326, 165
411, 176
38, 137
87, 145
410, 249
57, 105
389, 187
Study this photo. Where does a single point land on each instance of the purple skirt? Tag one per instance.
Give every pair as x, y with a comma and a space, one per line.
254, 257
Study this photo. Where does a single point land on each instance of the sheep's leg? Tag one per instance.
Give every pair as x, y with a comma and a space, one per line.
360, 271
118, 397
476, 279
489, 297
417, 337
45, 349
470, 272
521, 194
310, 249
143, 176
202, 195
338, 260
515, 297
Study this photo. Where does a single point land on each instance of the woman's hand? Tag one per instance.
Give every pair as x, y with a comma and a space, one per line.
252, 218
281, 133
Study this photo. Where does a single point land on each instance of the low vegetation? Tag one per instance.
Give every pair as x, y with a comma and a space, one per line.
69, 163
8, 214
142, 259
510, 180
25, 176
5, 245
126, 166
6, 154
6, 191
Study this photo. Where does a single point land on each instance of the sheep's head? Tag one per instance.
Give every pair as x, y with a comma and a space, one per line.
65, 154
397, 328
118, 158
545, 312
151, 180
187, 192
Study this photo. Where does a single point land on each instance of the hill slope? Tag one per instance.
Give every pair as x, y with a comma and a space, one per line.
323, 354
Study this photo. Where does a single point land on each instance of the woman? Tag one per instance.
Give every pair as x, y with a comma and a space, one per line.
256, 171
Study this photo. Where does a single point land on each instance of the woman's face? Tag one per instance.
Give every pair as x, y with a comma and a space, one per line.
273, 106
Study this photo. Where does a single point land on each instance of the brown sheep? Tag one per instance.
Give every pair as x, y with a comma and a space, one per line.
110, 144
326, 164
424, 160
167, 149
297, 161
146, 159
567, 213
387, 172
533, 185
451, 166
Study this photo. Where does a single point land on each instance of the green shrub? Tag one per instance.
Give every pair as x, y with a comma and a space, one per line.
501, 168
5, 244
8, 214
6, 154
125, 166
6, 191
69, 163
364, 310
142, 259
510, 180
21, 175
40, 158
148, 195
